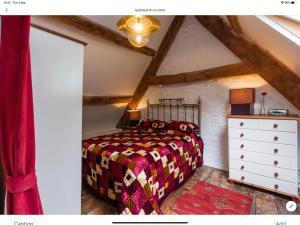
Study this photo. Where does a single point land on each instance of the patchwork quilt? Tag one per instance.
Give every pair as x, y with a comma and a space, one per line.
138, 168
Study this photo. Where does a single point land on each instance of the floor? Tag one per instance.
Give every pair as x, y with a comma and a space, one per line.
264, 202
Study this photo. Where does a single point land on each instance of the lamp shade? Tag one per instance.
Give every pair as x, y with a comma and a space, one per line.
242, 96
134, 114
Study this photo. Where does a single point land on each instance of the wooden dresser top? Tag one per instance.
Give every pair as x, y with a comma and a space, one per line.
290, 117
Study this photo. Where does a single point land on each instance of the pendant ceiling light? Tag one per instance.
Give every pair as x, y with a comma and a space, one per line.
138, 28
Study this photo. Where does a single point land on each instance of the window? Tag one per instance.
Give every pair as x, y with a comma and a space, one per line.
290, 23
295, 19
290, 28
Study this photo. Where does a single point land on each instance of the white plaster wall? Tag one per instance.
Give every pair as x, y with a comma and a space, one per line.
100, 120
195, 49
57, 74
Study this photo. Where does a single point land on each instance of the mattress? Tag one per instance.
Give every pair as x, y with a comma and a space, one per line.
138, 168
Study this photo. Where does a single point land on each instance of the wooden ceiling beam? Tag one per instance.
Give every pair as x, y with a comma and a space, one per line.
277, 74
58, 34
237, 69
157, 60
154, 65
91, 27
235, 24
105, 100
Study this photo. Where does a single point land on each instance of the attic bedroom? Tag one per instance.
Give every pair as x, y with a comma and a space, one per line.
199, 116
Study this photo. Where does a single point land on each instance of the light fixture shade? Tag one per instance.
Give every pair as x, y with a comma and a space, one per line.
138, 24
138, 28
138, 40
134, 114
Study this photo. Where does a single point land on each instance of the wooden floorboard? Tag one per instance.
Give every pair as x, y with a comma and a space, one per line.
281, 209
264, 203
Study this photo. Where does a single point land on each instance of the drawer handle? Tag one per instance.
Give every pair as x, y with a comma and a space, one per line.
242, 146
275, 126
242, 178
241, 135
242, 156
275, 162
275, 150
276, 186
275, 138
241, 124
242, 167
276, 174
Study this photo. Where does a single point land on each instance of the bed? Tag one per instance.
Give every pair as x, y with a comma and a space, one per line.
138, 168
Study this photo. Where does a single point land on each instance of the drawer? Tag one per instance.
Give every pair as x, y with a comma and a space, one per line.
263, 135
267, 171
264, 182
243, 123
260, 158
278, 125
264, 147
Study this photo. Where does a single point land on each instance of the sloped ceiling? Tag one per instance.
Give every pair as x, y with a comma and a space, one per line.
254, 27
270, 39
111, 21
185, 48
113, 70
108, 68
259, 30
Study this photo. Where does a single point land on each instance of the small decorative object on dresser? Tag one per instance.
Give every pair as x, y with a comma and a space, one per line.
242, 101
279, 112
263, 110
263, 152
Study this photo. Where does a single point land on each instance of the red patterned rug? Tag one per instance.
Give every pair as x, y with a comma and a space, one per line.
207, 199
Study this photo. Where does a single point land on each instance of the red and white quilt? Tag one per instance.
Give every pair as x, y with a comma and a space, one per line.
138, 168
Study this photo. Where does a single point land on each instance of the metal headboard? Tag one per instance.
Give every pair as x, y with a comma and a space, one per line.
175, 109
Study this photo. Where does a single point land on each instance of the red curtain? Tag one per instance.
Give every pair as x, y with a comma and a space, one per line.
17, 142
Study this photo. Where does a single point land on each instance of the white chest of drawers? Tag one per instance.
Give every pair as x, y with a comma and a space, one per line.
263, 152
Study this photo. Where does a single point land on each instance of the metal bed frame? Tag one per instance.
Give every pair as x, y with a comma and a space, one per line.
170, 106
